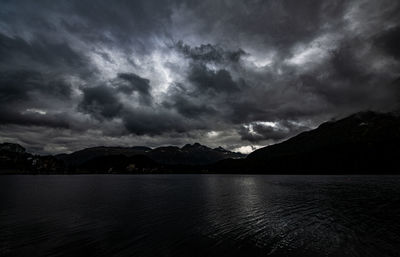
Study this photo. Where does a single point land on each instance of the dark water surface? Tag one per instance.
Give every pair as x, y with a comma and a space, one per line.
199, 215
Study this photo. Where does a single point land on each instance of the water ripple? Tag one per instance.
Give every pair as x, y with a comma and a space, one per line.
199, 215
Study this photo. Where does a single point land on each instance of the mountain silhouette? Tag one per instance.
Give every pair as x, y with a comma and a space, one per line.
365, 142
195, 154
361, 143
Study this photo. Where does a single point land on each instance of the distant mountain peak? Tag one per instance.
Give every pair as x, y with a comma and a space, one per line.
220, 149
362, 142
11, 147
194, 146
189, 154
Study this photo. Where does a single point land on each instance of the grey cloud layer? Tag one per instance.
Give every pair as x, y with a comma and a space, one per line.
228, 73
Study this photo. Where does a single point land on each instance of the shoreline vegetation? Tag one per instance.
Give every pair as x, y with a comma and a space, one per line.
362, 143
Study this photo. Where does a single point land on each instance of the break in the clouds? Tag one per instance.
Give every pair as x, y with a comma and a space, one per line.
240, 74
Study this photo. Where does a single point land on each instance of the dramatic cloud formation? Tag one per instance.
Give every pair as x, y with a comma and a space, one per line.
240, 74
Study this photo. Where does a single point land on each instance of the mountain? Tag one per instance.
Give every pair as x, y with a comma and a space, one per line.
120, 164
80, 157
12, 148
137, 159
366, 142
361, 143
14, 159
195, 154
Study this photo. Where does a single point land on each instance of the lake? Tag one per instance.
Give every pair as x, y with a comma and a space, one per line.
199, 215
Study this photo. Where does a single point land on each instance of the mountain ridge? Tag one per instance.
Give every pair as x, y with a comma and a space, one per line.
364, 142
189, 154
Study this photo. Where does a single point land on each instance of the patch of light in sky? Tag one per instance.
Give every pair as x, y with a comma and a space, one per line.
268, 124
313, 52
246, 149
163, 74
164, 67
250, 127
37, 111
110, 62
213, 134
259, 60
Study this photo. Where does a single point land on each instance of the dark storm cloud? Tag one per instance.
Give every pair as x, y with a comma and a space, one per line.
277, 24
136, 83
130, 82
346, 80
211, 81
150, 122
389, 41
10, 116
188, 108
104, 103
100, 102
225, 72
15, 86
209, 53
20, 84
242, 111
20, 94
19, 53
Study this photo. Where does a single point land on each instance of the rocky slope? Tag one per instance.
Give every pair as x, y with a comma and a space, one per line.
366, 142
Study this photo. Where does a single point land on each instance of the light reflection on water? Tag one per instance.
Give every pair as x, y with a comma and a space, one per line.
199, 215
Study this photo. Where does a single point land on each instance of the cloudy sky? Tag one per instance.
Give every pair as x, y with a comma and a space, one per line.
237, 74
